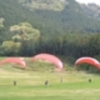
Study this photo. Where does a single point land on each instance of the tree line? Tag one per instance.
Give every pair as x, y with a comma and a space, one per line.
75, 45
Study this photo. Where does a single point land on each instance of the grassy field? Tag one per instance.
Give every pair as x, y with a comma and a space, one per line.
65, 85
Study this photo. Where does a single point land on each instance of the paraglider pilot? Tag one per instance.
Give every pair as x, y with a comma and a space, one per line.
61, 80
14, 83
46, 83
90, 80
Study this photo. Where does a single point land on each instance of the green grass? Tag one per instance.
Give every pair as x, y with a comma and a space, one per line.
30, 84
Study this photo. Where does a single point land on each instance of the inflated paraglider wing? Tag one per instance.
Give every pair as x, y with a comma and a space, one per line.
51, 58
88, 60
13, 60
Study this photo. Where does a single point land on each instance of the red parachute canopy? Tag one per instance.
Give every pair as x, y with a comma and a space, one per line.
88, 60
16, 60
51, 58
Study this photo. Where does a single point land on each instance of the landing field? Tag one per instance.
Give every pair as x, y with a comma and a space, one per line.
65, 85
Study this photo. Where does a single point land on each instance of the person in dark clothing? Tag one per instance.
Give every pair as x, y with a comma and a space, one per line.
90, 80
46, 83
14, 82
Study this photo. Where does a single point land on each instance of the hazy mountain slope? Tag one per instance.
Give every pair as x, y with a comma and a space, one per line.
92, 10
71, 19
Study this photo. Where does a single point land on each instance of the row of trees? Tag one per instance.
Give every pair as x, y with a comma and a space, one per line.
75, 45
24, 40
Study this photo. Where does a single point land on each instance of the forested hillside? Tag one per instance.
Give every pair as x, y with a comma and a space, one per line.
60, 27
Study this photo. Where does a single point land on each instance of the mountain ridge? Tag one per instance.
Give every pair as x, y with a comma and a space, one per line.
72, 19
92, 10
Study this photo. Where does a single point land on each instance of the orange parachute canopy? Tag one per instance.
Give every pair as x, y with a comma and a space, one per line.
16, 60
51, 58
88, 60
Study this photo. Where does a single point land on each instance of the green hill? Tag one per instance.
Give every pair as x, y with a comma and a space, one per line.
60, 27
70, 18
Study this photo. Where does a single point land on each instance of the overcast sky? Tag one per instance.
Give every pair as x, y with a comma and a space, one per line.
89, 1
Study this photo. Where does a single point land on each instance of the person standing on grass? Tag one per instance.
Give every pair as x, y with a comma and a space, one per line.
46, 83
